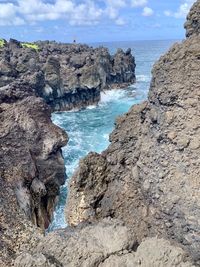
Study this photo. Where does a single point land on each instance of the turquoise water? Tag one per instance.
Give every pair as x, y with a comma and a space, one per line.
89, 129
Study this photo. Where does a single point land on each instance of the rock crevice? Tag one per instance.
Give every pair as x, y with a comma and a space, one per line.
31, 168
137, 203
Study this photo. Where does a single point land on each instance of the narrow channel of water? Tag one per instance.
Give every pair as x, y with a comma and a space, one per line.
89, 129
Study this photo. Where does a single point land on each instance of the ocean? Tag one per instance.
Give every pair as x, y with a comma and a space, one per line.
89, 129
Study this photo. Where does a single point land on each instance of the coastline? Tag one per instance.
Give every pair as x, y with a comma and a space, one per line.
134, 204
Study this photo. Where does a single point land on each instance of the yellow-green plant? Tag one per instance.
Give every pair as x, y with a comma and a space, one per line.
2, 43
30, 45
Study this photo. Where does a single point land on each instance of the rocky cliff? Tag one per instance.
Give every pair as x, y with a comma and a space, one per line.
34, 80
71, 76
137, 203
149, 175
31, 167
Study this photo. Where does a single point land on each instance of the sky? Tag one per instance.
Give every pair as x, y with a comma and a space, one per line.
92, 21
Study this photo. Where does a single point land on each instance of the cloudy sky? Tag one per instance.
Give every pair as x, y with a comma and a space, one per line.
93, 20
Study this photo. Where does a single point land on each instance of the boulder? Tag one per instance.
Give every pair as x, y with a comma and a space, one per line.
105, 244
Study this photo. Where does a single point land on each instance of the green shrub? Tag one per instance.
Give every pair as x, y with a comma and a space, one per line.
2, 42
30, 45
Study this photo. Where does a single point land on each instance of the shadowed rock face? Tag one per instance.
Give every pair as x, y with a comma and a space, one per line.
149, 175
74, 75
31, 168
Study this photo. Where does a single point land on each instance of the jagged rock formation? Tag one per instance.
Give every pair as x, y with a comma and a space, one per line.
149, 175
31, 167
192, 24
105, 244
73, 74
137, 204
31, 163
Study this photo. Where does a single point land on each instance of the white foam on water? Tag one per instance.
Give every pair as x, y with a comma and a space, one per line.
106, 136
92, 107
143, 78
89, 130
56, 119
110, 95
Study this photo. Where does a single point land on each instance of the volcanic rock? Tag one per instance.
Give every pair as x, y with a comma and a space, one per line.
74, 73
149, 175
105, 244
31, 167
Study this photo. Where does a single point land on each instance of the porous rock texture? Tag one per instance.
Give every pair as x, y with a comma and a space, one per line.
31, 167
149, 175
105, 244
31, 163
192, 25
137, 203
74, 74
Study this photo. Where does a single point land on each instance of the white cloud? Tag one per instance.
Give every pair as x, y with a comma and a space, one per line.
31, 11
82, 12
113, 7
139, 3
116, 3
182, 11
120, 21
7, 10
147, 12
85, 14
8, 15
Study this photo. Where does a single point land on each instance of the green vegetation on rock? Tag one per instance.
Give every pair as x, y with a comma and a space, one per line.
2, 42
30, 45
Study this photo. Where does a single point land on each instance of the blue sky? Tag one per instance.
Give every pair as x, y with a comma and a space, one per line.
93, 21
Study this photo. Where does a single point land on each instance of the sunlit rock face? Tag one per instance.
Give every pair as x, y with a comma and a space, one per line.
105, 244
192, 24
149, 175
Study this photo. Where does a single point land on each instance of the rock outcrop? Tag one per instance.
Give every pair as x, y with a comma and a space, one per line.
73, 74
137, 203
192, 24
105, 244
149, 175
31, 167
31, 163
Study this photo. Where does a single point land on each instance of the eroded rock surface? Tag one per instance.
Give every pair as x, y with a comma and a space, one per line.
105, 244
137, 203
31, 167
31, 163
73, 74
192, 24
149, 175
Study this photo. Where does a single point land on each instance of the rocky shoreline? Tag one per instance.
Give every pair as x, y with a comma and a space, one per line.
36, 79
68, 75
135, 204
